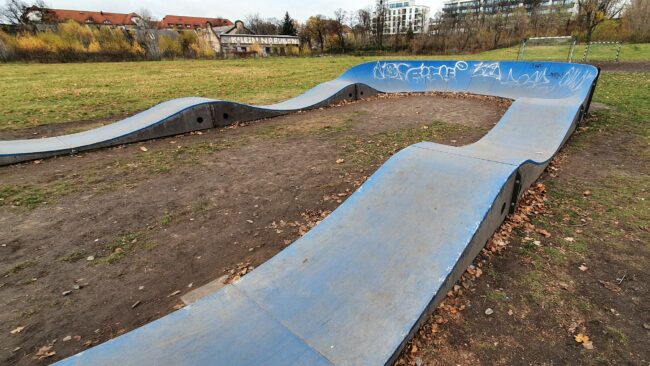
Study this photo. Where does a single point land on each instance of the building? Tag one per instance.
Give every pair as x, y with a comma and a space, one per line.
400, 16
459, 7
237, 39
37, 15
184, 22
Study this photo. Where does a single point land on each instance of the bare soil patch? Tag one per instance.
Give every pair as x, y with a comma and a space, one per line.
97, 244
638, 66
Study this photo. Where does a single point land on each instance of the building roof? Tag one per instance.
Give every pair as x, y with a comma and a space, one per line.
95, 17
194, 22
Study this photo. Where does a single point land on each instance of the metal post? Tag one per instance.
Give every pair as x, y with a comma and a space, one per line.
522, 49
572, 50
584, 55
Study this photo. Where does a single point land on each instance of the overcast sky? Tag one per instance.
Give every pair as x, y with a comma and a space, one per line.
237, 9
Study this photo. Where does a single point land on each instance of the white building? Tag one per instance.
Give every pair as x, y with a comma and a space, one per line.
456, 7
402, 15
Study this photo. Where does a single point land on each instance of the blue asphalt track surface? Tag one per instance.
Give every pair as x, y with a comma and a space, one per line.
354, 289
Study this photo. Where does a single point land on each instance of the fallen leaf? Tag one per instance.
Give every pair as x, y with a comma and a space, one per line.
339, 161
610, 286
581, 338
586, 193
543, 232
144, 148
17, 330
583, 268
45, 352
569, 239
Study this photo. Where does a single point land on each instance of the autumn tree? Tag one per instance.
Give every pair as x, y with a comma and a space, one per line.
316, 28
593, 12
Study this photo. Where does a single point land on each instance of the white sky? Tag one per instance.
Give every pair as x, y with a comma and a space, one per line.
231, 9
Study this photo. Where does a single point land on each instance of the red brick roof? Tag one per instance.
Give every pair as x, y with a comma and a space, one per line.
193, 22
96, 17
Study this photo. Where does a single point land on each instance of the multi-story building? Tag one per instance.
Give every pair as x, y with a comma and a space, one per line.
458, 7
400, 16
40, 15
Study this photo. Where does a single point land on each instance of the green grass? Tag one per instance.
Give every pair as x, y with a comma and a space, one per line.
629, 52
38, 94
122, 246
30, 196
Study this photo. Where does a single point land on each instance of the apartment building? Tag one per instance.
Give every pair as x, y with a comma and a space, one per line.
401, 15
459, 7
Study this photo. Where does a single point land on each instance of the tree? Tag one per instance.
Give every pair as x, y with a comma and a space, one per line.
593, 12
14, 11
260, 25
380, 23
363, 25
338, 25
149, 22
288, 28
316, 27
636, 20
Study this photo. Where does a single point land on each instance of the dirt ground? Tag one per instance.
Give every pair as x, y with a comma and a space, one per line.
565, 281
610, 66
97, 244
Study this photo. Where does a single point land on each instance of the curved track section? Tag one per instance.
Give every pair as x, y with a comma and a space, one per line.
355, 288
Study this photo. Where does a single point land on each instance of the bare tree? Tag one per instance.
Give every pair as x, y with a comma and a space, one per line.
380, 22
593, 12
261, 25
149, 21
13, 12
636, 20
338, 24
364, 23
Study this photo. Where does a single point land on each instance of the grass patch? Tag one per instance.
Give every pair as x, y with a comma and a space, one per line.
122, 246
532, 282
74, 256
19, 267
380, 146
30, 196
38, 94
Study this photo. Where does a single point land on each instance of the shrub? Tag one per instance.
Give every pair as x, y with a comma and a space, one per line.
169, 47
7, 46
31, 46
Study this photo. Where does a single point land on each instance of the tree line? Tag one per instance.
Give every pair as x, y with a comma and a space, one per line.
343, 32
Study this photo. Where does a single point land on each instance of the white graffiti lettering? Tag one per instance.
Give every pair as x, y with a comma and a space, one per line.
487, 70
404, 71
574, 78
534, 80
